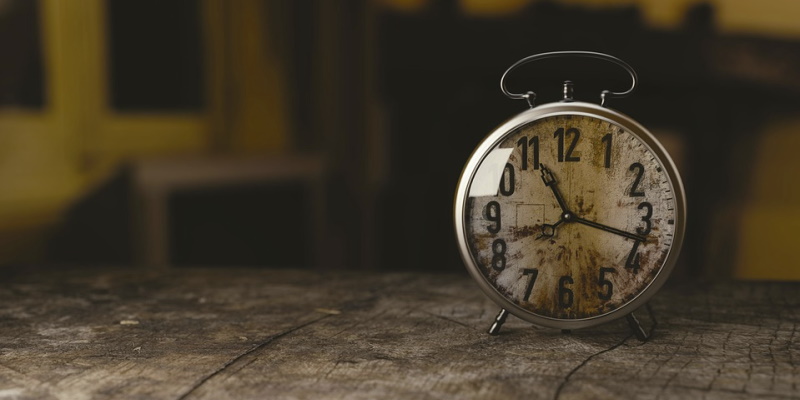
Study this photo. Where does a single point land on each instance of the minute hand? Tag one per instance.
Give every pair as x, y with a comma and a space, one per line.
609, 229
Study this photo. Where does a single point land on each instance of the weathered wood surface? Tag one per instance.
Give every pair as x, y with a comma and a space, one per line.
252, 334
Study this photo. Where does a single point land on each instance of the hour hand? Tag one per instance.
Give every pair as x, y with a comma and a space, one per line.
550, 181
547, 176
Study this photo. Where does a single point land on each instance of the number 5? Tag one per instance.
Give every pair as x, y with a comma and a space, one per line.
603, 282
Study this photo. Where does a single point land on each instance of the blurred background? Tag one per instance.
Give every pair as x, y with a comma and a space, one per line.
330, 134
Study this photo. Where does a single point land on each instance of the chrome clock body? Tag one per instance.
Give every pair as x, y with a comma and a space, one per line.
570, 215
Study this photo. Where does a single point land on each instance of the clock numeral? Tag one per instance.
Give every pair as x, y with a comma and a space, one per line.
605, 283
648, 225
507, 181
633, 258
565, 295
560, 135
492, 214
499, 257
532, 273
639, 173
523, 144
607, 140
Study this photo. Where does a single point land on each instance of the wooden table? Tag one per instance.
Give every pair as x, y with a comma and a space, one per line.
252, 334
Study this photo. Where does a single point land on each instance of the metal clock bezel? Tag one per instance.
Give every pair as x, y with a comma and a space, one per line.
581, 109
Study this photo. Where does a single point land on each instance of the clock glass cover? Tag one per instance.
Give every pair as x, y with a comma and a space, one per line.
569, 213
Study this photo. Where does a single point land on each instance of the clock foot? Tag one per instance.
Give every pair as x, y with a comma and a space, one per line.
498, 322
636, 326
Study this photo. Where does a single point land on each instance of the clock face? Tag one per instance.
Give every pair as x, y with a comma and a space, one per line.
570, 216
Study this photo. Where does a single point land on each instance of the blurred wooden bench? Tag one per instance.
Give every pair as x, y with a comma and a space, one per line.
155, 180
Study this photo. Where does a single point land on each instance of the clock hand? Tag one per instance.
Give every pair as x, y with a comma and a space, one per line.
609, 229
566, 215
548, 230
550, 181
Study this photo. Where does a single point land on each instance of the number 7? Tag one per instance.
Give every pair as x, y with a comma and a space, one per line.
533, 272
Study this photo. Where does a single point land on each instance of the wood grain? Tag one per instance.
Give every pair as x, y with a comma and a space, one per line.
247, 334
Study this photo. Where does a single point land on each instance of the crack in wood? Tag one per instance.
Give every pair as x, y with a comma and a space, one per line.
333, 368
352, 305
670, 358
563, 384
449, 320
668, 382
249, 351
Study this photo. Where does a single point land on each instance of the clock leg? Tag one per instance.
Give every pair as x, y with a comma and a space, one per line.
636, 326
498, 322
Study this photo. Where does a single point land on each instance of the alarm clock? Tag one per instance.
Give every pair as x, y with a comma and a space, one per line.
570, 214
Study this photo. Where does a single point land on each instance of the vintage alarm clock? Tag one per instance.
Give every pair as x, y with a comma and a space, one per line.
570, 214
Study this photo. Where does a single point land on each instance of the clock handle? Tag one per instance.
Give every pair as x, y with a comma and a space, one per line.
530, 96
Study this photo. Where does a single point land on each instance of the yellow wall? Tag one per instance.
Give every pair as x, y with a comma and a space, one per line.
762, 17
52, 157
770, 217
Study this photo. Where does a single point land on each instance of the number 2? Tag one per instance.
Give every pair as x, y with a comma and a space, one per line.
639, 173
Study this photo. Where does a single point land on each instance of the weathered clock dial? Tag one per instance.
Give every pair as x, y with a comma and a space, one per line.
569, 214
597, 250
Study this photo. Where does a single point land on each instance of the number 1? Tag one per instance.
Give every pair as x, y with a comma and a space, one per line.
607, 140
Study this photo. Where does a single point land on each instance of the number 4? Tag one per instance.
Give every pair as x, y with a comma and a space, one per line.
633, 258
